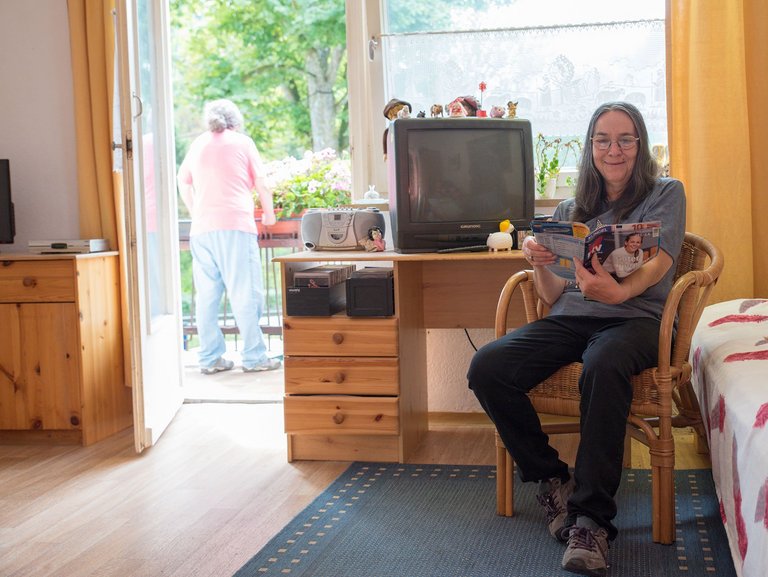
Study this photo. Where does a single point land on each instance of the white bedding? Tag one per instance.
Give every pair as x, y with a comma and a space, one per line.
729, 353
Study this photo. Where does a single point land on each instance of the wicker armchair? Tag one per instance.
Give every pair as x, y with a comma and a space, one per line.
656, 390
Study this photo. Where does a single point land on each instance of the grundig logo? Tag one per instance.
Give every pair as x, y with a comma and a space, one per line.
469, 226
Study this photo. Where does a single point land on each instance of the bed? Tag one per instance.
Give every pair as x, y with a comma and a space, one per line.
729, 354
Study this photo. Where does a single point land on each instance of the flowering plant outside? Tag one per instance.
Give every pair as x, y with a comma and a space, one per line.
318, 180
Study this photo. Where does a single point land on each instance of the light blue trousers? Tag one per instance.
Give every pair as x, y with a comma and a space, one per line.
228, 260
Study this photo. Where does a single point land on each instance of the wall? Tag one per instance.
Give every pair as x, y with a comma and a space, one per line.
37, 119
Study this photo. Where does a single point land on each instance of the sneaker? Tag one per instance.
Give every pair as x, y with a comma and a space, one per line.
554, 501
587, 549
221, 364
268, 365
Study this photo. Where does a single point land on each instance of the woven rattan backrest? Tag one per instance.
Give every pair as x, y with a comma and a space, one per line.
698, 268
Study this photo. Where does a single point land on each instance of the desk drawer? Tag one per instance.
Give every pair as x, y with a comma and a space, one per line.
340, 335
341, 375
326, 415
37, 281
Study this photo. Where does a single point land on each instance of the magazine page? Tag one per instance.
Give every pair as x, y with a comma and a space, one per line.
565, 240
623, 248
620, 248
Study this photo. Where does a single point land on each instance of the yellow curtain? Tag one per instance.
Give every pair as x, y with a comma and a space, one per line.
92, 41
717, 87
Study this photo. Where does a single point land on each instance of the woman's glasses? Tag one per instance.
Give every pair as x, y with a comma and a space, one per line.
625, 142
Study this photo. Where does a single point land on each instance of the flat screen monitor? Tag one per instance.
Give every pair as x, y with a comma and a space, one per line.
453, 180
7, 222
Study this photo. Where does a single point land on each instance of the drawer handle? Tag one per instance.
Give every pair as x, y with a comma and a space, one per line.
338, 418
29, 281
338, 338
339, 378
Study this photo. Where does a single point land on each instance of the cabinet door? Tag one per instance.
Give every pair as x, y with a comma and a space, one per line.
40, 342
12, 410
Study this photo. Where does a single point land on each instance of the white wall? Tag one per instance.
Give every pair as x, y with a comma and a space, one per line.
448, 355
37, 125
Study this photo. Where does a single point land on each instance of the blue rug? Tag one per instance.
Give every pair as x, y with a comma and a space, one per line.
391, 520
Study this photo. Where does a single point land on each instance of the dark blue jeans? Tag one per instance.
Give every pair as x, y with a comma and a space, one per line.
612, 350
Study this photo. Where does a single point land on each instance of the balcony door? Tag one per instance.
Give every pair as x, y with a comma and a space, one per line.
146, 152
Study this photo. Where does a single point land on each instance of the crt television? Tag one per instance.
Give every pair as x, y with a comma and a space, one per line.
7, 223
453, 180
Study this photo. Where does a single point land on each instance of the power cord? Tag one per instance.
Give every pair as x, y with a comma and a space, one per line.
466, 332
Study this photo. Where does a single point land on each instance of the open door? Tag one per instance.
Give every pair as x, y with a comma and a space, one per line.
151, 266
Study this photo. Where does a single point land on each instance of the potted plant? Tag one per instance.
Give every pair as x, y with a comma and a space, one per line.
550, 156
318, 180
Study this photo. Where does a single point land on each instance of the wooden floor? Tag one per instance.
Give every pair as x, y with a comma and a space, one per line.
206, 498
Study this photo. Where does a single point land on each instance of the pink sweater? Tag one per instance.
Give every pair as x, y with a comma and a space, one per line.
216, 180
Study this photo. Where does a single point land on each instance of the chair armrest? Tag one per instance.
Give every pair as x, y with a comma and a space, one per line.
505, 298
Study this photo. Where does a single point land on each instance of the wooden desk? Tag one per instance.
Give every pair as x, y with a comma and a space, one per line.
356, 388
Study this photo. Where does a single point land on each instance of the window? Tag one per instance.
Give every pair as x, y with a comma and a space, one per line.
557, 59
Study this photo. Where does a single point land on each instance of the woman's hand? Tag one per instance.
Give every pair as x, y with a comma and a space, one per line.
268, 217
536, 254
600, 286
549, 286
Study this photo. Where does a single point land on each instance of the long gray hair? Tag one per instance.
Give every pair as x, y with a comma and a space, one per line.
222, 114
590, 188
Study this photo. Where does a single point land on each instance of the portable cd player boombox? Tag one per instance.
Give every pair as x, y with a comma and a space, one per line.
339, 228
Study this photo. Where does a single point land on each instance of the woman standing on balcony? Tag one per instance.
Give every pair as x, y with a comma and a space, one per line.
216, 180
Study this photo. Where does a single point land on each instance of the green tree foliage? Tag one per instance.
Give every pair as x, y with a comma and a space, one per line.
283, 62
407, 16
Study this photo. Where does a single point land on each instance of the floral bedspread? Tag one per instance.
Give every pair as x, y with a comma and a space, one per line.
729, 354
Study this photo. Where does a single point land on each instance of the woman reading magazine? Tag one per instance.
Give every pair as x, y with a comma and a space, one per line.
611, 325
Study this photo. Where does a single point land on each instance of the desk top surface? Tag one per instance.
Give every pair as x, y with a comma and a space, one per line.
392, 256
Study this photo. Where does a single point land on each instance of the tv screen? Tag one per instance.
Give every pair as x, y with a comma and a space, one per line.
7, 223
454, 179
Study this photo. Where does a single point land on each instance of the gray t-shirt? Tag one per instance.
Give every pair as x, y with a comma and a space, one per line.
666, 203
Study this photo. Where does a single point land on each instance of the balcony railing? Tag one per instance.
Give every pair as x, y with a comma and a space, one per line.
283, 238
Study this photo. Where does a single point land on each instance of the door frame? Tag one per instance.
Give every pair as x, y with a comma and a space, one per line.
155, 340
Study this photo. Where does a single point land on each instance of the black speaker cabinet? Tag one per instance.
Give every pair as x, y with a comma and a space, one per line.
314, 301
371, 292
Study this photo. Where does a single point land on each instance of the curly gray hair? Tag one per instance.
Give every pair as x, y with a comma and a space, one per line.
222, 114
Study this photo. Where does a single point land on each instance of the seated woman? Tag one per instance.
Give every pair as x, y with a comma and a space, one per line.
610, 325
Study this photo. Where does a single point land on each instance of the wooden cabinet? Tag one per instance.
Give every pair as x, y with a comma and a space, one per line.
61, 354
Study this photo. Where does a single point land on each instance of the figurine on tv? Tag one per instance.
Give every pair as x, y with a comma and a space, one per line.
395, 108
436, 110
468, 103
511, 109
497, 112
456, 110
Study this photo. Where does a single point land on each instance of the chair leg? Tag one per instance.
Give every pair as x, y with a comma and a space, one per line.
663, 488
663, 513
505, 480
627, 449
700, 440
